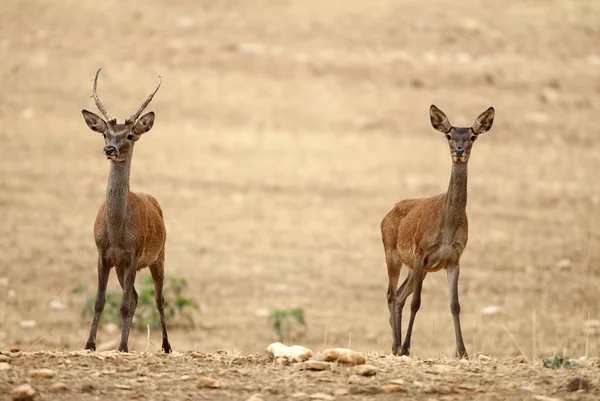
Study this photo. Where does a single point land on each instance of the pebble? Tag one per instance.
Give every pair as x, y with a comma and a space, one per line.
58, 387
5, 366
314, 365
577, 383
365, 370
321, 396
23, 392
392, 388
344, 355
42, 373
208, 382
255, 397
295, 353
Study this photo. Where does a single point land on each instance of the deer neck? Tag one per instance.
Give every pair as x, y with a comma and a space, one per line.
117, 192
456, 201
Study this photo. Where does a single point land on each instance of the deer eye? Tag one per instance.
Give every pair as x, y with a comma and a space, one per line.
104, 135
448, 137
473, 138
130, 137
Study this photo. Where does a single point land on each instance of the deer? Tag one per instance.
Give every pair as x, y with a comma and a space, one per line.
430, 234
129, 230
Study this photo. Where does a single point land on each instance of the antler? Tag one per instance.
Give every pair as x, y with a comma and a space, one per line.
110, 120
135, 116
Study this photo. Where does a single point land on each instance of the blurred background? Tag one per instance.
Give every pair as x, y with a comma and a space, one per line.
285, 131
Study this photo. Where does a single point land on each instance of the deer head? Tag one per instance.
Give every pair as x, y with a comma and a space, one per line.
461, 139
119, 138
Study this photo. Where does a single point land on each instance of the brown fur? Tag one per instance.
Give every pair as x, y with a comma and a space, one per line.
129, 230
430, 234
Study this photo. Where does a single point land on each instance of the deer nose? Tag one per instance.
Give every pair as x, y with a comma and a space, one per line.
110, 150
460, 150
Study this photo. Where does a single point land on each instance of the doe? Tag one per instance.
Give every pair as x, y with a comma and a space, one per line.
430, 234
129, 230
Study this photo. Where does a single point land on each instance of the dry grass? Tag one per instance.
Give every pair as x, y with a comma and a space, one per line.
285, 131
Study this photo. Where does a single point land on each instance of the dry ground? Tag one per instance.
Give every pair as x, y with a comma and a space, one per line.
285, 131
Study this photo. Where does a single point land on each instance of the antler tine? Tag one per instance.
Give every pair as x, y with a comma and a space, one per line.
110, 120
135, 116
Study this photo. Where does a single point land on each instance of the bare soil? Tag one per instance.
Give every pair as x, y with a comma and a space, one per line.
285, 131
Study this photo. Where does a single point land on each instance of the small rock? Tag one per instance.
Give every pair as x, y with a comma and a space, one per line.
28, 324
365, 370
483, 358
87, 388
58, 387
184, 378
123, 386
341, 392
42, 373
392, 388
5, 366
197, 355
23, 392
362, 389
321, 396
397, 381
404, 358
295, 353
314, 365
577, 383
563, 264
344, 355
255, 397
299, 394
4, 358
57, 304
545, 398
208, 382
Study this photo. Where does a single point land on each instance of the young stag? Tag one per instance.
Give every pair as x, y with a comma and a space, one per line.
129, 230
430, 234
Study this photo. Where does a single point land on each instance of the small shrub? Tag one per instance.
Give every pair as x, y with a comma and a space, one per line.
559, 361
286, 320
179, 308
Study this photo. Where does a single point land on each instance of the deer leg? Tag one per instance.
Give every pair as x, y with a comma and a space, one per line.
128, 303
103, 273
157, 269
394, 266
403, 292
453, 273
415, 304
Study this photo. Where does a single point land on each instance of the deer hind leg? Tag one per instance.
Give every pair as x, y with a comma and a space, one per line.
418, 275
103, 274
129, 301
394, 265
453, 273
157, 270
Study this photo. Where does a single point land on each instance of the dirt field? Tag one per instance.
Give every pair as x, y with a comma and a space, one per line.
285, 131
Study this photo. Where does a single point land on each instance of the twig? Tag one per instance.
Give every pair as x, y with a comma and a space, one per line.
149, 342
349, 338
515, 342
534, 336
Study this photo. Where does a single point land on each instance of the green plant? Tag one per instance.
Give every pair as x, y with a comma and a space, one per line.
559, 361
284, 320
179, 308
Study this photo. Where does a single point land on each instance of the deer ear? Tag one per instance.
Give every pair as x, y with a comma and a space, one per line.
439, 121
94, 122
144, 124
484, 121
